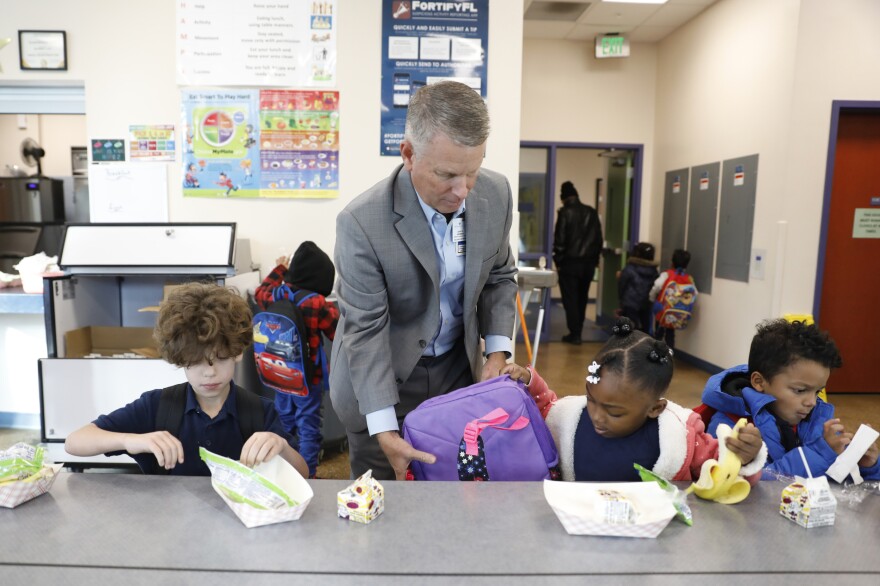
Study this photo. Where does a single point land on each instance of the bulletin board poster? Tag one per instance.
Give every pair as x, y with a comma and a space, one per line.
427, 42
151, 142
256, 43
108, 150
299, 143
269, 143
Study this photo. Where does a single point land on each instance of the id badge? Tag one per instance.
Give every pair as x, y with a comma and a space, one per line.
458, 236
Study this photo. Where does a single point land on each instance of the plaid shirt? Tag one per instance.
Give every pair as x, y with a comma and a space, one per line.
320, 316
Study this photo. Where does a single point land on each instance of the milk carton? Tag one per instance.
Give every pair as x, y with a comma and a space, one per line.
361, 501
808, 502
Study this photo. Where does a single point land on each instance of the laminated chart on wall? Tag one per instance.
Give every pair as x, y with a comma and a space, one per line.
154, 143
248, 43
423, 43
268, 143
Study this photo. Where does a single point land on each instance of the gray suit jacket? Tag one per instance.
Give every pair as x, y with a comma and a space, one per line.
389, 293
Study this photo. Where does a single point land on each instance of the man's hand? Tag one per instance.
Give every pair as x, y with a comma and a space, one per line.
494, 363
281, 260
400, 453
167, 448
747, 445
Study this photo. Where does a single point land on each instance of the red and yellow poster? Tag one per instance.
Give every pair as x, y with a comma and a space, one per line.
266, 143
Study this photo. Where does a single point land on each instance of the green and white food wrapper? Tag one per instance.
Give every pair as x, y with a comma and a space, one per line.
24, 474
272, 492
679, 497
584, 509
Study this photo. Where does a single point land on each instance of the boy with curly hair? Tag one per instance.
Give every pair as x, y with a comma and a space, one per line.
789, 364
204, 329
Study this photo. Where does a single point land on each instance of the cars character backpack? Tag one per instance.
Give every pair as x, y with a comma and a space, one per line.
281, 347
491, 430
675, 303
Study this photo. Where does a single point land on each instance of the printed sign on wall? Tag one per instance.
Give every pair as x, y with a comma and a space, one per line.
426, 42
260, 143
108, 150
253, 43
151, 142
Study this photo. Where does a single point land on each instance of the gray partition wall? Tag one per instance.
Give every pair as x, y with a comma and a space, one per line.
739, 182
701, 224
675, 202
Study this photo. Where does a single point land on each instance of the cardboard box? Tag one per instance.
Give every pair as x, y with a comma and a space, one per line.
109, 340
166, 291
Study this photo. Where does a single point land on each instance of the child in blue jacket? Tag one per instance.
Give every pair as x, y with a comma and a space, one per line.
789, 364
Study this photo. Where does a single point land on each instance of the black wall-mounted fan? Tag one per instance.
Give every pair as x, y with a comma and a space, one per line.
32, 153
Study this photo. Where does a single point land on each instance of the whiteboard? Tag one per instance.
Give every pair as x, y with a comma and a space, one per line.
75, 391
128, 192
147, 245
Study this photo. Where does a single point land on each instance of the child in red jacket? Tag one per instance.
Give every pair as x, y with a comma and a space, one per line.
310, 270
624, 419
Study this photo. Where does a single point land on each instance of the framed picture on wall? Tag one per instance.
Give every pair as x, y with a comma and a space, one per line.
43, 50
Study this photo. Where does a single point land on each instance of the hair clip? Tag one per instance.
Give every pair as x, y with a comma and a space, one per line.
655, 356
621, 328
593, 368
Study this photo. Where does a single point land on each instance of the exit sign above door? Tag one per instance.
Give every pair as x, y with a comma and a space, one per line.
611, 45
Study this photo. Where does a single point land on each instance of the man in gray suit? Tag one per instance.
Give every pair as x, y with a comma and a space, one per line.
425, 270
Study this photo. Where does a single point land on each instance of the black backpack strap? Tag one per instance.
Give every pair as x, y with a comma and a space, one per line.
250, 412
169, 415
172, 403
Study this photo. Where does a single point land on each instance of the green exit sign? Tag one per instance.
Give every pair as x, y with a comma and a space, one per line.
608, 46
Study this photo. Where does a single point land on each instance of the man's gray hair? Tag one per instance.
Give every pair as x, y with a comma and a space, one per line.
450, 107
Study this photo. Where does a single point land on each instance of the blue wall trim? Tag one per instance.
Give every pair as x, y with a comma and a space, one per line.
698, 362
19, 420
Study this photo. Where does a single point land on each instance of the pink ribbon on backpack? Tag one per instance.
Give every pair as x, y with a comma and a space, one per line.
493, 419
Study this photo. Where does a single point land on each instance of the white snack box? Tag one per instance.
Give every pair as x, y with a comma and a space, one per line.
578, 505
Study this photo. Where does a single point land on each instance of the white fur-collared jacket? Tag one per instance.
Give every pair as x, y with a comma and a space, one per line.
684, 443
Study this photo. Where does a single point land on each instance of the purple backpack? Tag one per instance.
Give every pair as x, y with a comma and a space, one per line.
488, 431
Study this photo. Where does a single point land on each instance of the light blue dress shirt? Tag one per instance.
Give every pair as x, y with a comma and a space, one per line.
451, 267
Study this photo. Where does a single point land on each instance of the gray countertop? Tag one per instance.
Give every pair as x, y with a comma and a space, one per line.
117, 525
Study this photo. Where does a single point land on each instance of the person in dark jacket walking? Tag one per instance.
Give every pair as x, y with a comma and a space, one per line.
633, 284
577, 242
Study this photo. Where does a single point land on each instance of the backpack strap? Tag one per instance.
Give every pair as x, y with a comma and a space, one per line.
325, 368
172, 403
250, 413
299, 297
493, 419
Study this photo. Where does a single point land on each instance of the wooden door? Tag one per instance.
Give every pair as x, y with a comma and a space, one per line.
849, 307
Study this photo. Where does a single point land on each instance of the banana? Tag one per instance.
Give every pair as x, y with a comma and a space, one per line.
719, 479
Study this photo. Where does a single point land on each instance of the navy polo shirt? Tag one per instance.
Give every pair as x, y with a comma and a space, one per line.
221, 435
604, 459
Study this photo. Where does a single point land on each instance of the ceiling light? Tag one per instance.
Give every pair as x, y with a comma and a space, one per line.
560, 11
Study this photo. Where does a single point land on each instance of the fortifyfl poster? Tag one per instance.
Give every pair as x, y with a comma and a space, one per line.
426, 42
